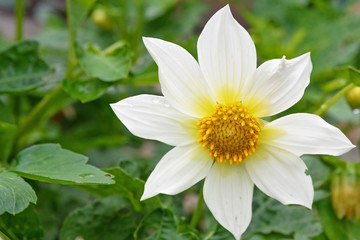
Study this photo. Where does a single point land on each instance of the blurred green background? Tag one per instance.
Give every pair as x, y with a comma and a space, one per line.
81, 119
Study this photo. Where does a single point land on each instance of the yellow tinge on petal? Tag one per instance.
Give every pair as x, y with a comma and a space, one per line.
230, 133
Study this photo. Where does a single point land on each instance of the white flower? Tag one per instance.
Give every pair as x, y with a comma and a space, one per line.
211, 112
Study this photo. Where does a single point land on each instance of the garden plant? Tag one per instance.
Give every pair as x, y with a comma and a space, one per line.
168, 119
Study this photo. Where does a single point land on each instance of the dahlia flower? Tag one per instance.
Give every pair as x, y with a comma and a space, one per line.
212, 112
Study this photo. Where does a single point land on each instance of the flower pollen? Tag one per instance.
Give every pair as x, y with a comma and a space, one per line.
230, 133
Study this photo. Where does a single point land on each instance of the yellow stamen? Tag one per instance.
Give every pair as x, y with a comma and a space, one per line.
230, 133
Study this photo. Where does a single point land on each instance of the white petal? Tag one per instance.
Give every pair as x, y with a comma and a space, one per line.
304, 133
227, 56
178, 170
277, 85
228, 193
182, 82
280, 175
151, 117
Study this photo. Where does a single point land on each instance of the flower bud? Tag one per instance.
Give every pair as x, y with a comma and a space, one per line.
353, 97
101, 18
345, 195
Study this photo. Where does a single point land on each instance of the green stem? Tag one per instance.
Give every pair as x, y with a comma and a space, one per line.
72, 38
113, 47
19, 14
5, 237
136, 35
37, 114
122, 26
326, 105
76, 75
41, 109
14, 103
19, 27
198, 211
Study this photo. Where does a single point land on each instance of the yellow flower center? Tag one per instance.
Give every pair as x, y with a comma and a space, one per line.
230, 133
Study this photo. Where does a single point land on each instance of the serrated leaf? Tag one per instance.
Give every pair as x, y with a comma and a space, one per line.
270, 216
15, 193
159, 224
7, 134
107, 67
111, 219
162, 224
25, 225
354, 75
221, 233
294, 220
335, 228
51, 163
85, 90
21, 68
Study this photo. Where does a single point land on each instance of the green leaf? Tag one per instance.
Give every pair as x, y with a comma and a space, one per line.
21, 68
156, 8
335, 228
125, 185
7, 134
186, 231
340, 111
276, 25
335, 161
15, 193
3, 236
318, 171
7, 131
110, 65
51, 163
85, 90
171, 26
110, 219
25, 225
78, 10
159, 224
6, 114
269, 216
162, 224
354, 75
219, 233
